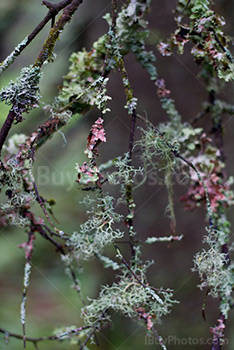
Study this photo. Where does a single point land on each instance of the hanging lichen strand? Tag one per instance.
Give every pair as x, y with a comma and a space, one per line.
167, 148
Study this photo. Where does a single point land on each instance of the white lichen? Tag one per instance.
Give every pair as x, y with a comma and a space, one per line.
10, 59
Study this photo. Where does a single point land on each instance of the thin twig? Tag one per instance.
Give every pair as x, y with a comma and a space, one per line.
129, 194
156, 240
198, 117
40, 201
52, 233
58, 246
217, 129
39, 339
186, 6
159, 338
223, 48
77, 287
134, 275
128, 92
131, 137
87, 339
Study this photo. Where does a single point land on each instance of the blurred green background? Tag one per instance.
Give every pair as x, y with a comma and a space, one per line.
51, 302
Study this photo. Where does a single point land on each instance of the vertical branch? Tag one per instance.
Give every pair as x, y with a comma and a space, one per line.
131, 136
27, 271
170, 191
129, 98
217, 128
129, 194
208, 203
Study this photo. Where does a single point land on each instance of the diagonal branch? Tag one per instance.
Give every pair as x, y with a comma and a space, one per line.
70, 6
55, 31
39, 339
6, 128
54, 9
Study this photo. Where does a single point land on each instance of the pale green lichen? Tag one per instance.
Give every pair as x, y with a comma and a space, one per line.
216, 276
14, 181
83, 76
98, 231
13, 143
87, 67
151, 240
131, 34
23, 94
128, 297
107, 262
124, 174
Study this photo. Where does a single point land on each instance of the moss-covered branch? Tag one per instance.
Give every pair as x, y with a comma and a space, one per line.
55, 31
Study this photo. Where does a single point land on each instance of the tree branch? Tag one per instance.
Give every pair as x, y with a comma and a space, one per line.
6, 128
55, 31
46, 52
59, 247
39, 339
53, 11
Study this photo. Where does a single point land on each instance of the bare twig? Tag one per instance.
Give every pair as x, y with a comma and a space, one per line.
39, 339
40, 201
186, 6
59, 247
159, 338
223, 48
198, 117
134, 275
6, 128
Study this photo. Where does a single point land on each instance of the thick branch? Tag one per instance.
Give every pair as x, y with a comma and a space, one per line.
6, 128
55, 31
